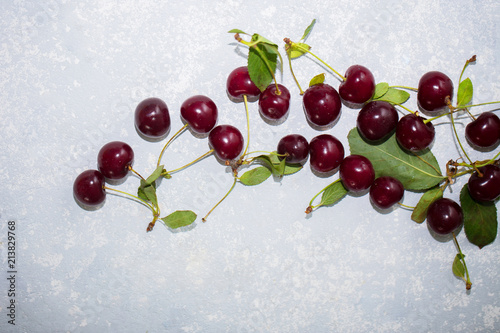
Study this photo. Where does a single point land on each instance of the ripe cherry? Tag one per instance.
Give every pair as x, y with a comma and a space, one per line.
200, 112
356, 173
485, 187
239, 83
227, 142
152, 119
321, 104
386, 191
444, 216
434, 88
377, 120
274, 107
326, 153
115, 159
413, 133
358, 86
296, 146
484, 131
88, 188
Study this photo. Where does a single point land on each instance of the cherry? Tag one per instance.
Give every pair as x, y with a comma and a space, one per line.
200, 112
386, 191
88, 188
444, 216
358, 86
326, 153
413, 134
296, 146
356, 173
434, 88
227, 142
152, 119
274, 107
484, 131
485, 187
115, 159
239, 83
321, 104
377, 120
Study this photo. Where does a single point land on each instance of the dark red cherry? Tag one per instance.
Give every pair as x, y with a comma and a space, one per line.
356, 173
88, 188
358, 86
386, 191
377, 120
487, 186
326, 153
444, 216
239, 83
296, 146
227, 142
200, 112
413, 134
484, 131
274, 107
433, 90
321, 104
152, 118
115, 159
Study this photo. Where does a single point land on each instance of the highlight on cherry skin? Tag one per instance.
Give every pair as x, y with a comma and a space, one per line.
88, 189
115, 159
385, 192
238, 83
326, 153
226, 141
377, 120
322, 104
484, 131
358, 86
152, 118
356, 173
200, 113
484, 186
444, 216
413, 133
434, 88
273, 106
295, 147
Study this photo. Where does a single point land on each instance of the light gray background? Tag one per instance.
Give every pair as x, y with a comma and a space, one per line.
70, 78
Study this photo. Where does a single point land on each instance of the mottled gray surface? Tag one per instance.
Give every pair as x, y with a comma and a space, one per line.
71, 76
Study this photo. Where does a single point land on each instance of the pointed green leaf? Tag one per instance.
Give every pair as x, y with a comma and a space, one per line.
288, 168
150, 193
318, 79
141, 190
480, 219
259, 72
308, 30
237, 31
260, 39
179, 218
420, 212
295, 51
464, 94
394, 96
155, 175
276, 166
458, 267
415, 172
255, 176
380, 89
333, 193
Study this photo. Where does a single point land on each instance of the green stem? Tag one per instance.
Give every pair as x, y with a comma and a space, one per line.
473, 105
468, 283
310, 208
191, 163
169, 141
245, 99
223, 198
293, 74
136, 198
324, 63
458, 139
404, 87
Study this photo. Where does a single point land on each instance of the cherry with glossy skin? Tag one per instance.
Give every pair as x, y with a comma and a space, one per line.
485, 188
413, 134
484, 131
88, 188
322, 104
115, 159
326, 153
377, 120
386, 191
444, 216
358, 86
296, 146
433, 90
356, 173
274, 107
227, 142
239, 83
200, 113
152, 118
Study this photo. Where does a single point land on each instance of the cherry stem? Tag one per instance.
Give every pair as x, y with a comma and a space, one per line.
191, 163
135, 172
404, 87
456, 133
293, 74
136, 198
472, 59
223, 198
473, 105
468, 283
169, 141
406, 206
310, 208
245, 100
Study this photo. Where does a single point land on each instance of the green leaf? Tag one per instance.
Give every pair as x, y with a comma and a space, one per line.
260, 39
237, 31
155, 175
480, 219
458, 267
318, 79
179, 218
380, 89
276, 166
288, 168
295, 52
141, 193
255, 176
333, 193
394, 96
308, 30
259, 72
150, 193
420, 212
464, 94
415, 172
